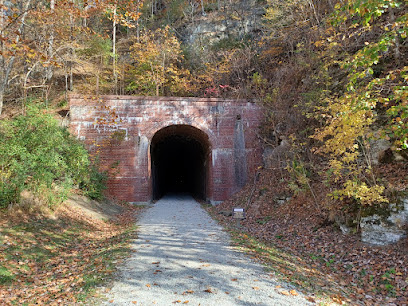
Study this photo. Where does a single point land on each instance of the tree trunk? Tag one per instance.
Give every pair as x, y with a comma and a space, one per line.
49, 72
397, 52
313, 7
6, 67
1, 98
71, 81
2, 62
115, 74
66, 85
137, 23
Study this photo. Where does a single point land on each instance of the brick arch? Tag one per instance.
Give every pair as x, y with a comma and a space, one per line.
156, 128
231, 126
201, 135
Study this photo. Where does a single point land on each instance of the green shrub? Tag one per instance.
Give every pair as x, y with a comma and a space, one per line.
94, 186
39, 156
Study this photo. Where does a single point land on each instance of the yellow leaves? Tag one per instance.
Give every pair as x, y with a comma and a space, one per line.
336, 166
319, 43
349, 157
345, 140
157, 56
363, 193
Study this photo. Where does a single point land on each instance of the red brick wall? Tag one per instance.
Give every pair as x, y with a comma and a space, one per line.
138, 119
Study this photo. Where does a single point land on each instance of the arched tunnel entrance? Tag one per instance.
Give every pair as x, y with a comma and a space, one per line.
179, 160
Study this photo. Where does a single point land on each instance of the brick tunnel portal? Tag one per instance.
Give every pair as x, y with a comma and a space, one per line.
204, 146
179, 161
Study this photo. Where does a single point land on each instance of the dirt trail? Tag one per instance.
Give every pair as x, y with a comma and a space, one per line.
183, 256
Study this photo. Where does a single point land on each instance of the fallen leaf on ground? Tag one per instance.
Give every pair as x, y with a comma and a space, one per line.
284, 292
255, 288
293, 292
148, 285
310, 299
234, 279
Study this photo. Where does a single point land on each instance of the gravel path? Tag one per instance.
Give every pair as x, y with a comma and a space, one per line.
183, 256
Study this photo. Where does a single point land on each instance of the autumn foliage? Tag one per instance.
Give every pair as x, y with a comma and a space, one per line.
332, 77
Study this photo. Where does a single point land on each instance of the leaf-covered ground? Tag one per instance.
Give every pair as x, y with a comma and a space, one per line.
299, 245
60, 259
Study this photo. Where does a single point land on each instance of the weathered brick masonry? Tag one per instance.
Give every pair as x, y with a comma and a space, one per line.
226, 128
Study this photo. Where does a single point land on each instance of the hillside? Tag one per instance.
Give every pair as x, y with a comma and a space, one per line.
332, 78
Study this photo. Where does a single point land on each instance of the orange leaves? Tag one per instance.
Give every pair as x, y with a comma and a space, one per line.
288, 293
209, 290
188, 292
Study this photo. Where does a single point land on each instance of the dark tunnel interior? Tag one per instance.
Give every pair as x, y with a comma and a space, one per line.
178, 155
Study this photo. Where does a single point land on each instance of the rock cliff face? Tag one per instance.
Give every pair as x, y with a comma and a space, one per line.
236, 21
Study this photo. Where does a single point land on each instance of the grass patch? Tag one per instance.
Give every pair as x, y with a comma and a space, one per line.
6, 276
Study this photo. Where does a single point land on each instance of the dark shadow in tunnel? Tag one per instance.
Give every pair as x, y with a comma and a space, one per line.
179, 161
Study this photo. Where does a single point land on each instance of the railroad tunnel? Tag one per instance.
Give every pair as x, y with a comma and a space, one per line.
179, 160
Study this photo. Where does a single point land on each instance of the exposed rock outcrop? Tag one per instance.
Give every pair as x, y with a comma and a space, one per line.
276, 157
380, 230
